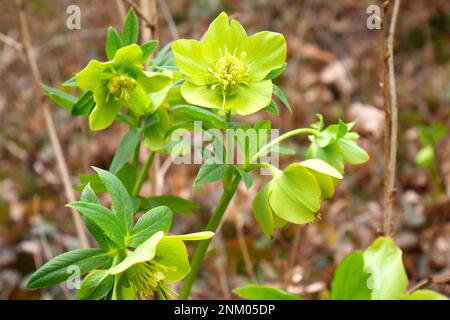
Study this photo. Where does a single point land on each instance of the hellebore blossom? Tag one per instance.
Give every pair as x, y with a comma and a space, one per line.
156, 262
294, 194
228, 69
120, 82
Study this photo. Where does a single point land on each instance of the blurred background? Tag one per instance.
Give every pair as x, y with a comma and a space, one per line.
334, 67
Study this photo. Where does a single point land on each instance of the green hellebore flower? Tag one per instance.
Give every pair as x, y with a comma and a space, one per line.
152, 265
228, 69
294, 194
120, 82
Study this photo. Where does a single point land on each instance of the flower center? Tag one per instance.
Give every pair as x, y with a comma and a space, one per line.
121, 85
148, 278
229, 71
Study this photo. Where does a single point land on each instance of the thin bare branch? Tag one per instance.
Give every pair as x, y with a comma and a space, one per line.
169, 19
56, 145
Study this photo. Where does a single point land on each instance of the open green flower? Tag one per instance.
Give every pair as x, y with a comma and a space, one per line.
120, 82
294, 194
228, 69
155, 263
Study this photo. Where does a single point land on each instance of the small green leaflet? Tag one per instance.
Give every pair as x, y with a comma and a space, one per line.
56, 270
276, 72
148, 48
95, 286
154, 220
200, 114
210, 173
272, 108
248, 181
130, 30
174, 202
84, 105
279, 93
113, 43
62, 99
111, 225
125, 150
122, 205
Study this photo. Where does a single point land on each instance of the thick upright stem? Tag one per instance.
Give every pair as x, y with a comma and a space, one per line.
204, 244
144, 173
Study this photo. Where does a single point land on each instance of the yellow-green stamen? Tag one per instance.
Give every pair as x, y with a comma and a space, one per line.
121, 85
148, 278
229, 71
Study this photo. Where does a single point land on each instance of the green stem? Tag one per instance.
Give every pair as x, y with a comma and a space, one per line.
203, 245
135, 159
144, 173
283, 137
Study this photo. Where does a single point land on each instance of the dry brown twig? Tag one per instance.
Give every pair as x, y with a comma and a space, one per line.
54, 140
391, 113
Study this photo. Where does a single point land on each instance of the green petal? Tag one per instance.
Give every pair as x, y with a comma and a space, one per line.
265, 51
223, 34
155, 81
322, 167
128, 58
262, 211
202, 96
92, 75
194, 236
105, 110
190, 60
250, 98
172, 253
123, 289
295, 195
139, 102
144, 252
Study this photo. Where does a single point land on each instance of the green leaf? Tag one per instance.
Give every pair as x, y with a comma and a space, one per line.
257, 292
148, 48
125, 150
63, 99
174, 202
111, 225
57, 269
71, 83
95, 286
276, 72
94, 180
130, 29
248, 181
88, 195
425, 295
272, 108
262, 211
113, 43
127, 175
210, 173
383, 260
280, 94
199, 114
144, 252
84, 105
121, 201
350, 279
154, 220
